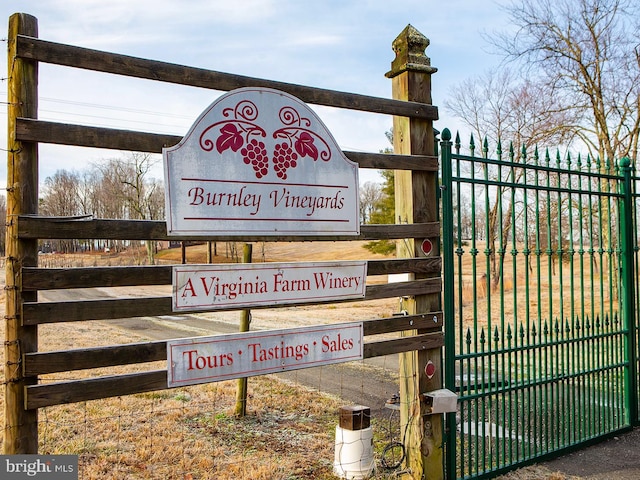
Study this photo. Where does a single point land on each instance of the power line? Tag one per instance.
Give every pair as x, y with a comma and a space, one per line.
120, 120
106, 120
116, 108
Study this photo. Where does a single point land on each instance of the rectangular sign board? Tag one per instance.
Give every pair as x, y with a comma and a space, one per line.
218, 286
238, 355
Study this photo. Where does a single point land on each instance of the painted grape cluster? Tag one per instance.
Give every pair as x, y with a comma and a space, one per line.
255, 154
284, 158
294, 140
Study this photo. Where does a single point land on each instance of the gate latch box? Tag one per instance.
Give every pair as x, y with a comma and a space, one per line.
441, 401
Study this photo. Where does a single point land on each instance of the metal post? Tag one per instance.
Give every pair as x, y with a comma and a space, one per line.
627, 288
448, 285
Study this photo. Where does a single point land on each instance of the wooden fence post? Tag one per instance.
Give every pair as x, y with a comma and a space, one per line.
245, 321
416, 202
21, 425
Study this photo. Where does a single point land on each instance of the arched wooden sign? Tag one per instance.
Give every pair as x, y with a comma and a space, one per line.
259, 161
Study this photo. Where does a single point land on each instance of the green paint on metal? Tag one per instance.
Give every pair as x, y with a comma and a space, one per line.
539, 301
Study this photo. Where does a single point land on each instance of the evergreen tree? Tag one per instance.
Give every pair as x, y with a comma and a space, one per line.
384, 213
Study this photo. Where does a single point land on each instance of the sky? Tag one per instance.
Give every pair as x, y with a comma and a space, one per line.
341, 45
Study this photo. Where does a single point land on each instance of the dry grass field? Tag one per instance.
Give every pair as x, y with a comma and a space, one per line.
191, 433
531, 288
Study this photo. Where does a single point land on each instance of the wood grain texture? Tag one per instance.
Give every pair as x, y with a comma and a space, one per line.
417, 202
55, 228
39, 396
20, 425
47, 394
88, 277
37, 313
33, 130
41, 363
85, 58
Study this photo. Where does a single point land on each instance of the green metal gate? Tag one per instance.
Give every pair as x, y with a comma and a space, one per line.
538, 286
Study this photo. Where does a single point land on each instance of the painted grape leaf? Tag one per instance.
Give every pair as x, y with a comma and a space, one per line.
304, 146
229, 137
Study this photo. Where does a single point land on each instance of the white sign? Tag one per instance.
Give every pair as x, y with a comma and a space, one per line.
224, 357
259, 161
208, 287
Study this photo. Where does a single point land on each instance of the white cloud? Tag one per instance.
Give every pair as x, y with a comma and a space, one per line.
329, 44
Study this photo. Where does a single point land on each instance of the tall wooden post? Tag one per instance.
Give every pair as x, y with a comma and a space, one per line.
21, 426
416, 202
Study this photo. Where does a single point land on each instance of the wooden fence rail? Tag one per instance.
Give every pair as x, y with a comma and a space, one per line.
48, 394
31, 227
32, 130
42, 363
71, 56
37, 313
56, 278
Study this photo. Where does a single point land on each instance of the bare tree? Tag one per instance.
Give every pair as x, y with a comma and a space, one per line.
88, 185
588, 52
501, 106
60, 194
141, 196
60, 198
116, 188
108, 201
370, 195
504, 109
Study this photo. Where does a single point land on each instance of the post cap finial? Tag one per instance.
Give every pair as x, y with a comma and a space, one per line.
409, 48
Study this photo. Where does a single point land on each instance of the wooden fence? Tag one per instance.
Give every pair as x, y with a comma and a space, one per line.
416, 176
